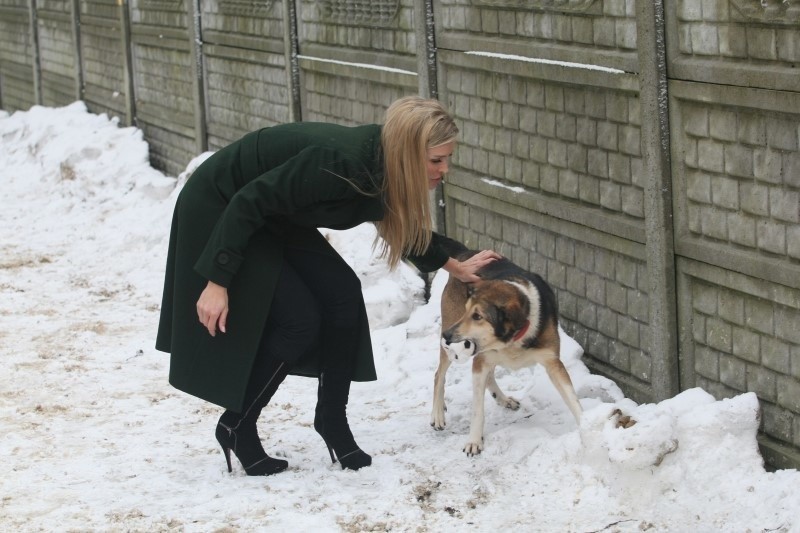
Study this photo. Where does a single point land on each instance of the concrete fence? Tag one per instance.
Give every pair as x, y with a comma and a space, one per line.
642, 155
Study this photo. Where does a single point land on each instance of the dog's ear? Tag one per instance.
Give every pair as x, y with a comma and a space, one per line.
509, 316
501, 322
516, 313
495, 316
472, 287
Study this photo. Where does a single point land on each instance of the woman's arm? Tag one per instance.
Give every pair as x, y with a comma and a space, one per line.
440, 254
466, 270
305, 180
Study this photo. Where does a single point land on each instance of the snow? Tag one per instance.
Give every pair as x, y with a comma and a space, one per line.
542, 61
502, 185
358, 65
95, 439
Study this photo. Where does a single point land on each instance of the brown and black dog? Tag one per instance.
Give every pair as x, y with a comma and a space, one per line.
509, 318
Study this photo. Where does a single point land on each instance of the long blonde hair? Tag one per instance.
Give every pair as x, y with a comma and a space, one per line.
412, 126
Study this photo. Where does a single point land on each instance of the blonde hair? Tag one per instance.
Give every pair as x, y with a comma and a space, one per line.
412, 126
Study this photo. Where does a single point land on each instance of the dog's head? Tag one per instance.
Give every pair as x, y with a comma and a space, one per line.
495, 311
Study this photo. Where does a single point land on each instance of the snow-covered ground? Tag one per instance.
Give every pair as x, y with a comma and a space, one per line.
95, 439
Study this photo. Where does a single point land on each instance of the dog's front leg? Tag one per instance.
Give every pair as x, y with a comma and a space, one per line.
437, 413
480, 374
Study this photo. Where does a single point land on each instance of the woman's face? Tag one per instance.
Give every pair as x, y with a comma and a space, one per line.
438, 163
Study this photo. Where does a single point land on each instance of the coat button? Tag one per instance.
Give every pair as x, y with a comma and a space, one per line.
223, 258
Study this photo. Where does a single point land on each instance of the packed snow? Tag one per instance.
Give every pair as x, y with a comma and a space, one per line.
95, 439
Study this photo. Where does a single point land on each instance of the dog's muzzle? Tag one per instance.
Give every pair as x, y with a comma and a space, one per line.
459, 352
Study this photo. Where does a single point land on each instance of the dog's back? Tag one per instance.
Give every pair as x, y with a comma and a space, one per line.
455, 294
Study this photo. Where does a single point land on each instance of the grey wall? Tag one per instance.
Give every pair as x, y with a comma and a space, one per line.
734, 100
644, 156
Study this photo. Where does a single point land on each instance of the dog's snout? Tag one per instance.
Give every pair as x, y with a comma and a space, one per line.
447, 337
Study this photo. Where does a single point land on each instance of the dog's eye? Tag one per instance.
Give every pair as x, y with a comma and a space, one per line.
476, 316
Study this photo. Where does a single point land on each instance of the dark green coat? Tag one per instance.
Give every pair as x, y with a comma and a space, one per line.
230, 223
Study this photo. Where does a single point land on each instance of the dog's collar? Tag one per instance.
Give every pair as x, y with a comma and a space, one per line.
522, 331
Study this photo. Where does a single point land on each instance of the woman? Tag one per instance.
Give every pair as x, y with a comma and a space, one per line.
253, 291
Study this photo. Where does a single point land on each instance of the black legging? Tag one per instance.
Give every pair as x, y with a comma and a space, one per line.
312, 287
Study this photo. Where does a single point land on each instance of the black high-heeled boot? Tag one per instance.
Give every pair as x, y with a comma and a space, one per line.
238, 432
246, 445
330, 420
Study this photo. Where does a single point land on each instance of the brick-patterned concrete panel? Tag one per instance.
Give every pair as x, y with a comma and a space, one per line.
165, 105
168, 150
777, 422
738, 187
377, 26
733, 372
57, 58
573, 30
242, 18
332, 98
244, 95
103, 64
56, 40
711, 40
164, 84
743, 341
586, 160
160, 13
15, 34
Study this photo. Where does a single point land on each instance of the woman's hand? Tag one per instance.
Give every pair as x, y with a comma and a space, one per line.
212, 308
466, 270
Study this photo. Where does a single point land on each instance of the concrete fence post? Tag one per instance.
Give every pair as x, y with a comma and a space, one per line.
291, 50
426, 48
125, 44
660, 252
76, 46
198, 77
35, 54
424, 32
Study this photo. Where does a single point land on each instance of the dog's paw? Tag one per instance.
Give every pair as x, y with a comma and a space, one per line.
510, 403
437, 417
473, 448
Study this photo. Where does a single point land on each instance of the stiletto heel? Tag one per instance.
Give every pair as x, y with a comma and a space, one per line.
227, 452
330, 451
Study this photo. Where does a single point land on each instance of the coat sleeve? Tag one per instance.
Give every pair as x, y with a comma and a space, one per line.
433, 258
314, 175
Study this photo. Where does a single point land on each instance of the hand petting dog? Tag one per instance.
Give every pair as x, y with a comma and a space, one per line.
466, 270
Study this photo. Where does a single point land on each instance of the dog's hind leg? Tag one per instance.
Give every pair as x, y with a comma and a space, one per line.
502, 400
560, 377
437, 413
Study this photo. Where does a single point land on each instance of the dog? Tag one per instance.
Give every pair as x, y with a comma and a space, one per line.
509, 318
